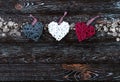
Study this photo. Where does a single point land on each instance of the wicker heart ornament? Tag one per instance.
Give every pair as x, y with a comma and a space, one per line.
59, 30
85, 30
33, 31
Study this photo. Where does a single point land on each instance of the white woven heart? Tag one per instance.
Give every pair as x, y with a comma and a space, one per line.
58, 31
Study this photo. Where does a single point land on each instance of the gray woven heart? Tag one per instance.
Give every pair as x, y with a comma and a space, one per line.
33, 32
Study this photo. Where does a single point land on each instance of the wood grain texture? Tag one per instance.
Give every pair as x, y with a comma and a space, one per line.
60, 53
55, 72
22, 59
59, 6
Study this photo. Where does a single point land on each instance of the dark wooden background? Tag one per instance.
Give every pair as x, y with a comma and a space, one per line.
22, 59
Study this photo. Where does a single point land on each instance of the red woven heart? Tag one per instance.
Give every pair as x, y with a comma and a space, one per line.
83, 31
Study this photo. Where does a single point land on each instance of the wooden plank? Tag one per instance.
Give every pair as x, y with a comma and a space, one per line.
60, 53
59, 6
46, 37
33, 72
22, 59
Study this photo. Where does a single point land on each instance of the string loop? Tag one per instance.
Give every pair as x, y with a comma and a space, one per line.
91, 20
61, 19
34, 20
